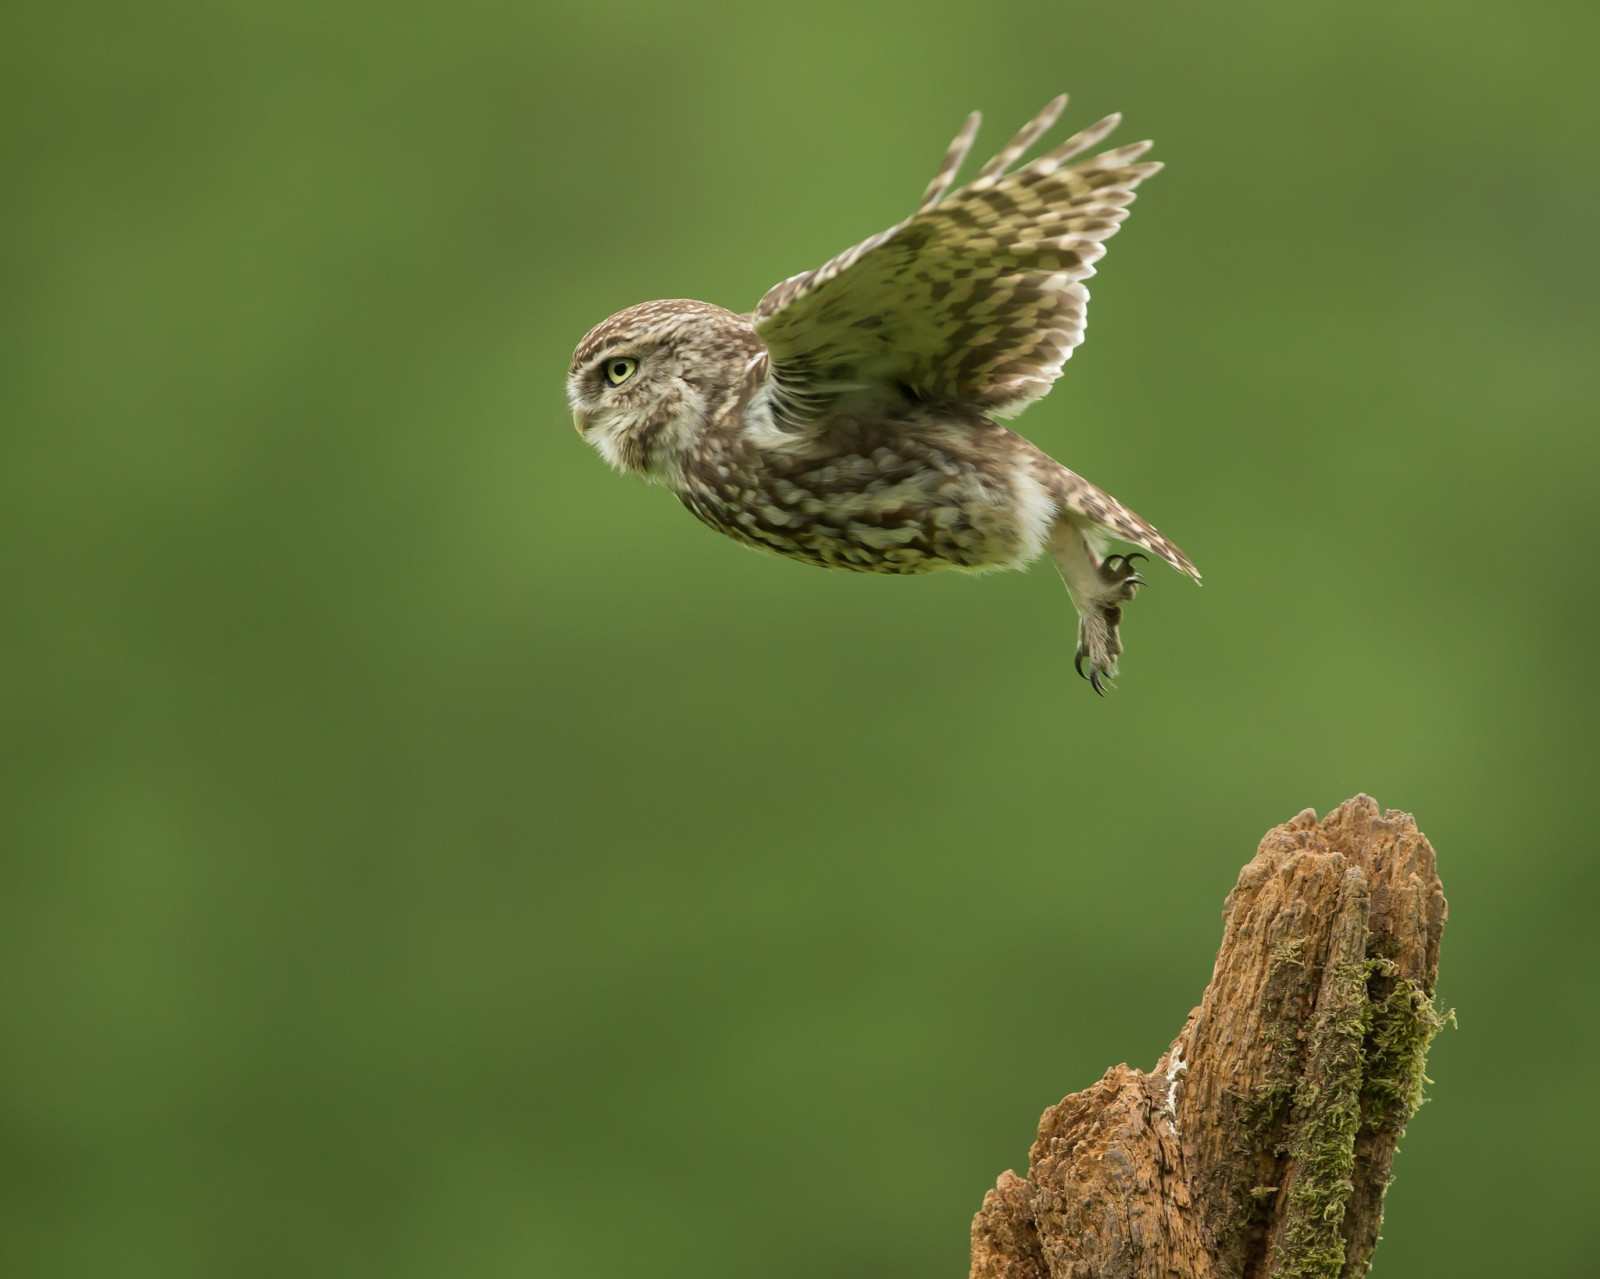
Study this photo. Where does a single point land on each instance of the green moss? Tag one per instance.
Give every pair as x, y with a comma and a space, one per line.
1269, 1101
1265, 1108
1365, 1072
1358, 1067
1404, 1022
1286, 951
1327, 1118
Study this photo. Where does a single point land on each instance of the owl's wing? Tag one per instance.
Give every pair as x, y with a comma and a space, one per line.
976, 298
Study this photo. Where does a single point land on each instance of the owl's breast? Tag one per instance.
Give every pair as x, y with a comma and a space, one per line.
876, 499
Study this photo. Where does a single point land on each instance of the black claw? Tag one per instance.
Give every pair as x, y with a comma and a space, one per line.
1120, 567
1094, 680
1077, 664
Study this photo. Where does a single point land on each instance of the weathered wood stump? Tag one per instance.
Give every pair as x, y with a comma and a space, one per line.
1261, 1143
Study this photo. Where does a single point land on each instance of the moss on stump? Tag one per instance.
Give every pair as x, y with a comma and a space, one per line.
1262, 1142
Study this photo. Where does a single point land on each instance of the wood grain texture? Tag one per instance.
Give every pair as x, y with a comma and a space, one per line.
1262, 1141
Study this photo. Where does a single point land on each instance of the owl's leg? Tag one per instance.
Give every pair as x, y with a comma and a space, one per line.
1099, 585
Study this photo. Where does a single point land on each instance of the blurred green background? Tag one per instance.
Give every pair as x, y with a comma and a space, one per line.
428, 853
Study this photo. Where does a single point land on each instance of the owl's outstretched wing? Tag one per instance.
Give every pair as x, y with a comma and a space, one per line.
976, 298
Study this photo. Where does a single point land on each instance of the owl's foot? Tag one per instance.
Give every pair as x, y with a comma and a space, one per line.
1121, 578
1099, 585
1099, 645
1099, 636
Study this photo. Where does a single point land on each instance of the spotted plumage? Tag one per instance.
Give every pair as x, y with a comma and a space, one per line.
848, 422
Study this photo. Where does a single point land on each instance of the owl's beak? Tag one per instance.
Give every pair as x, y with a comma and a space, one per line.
580, 423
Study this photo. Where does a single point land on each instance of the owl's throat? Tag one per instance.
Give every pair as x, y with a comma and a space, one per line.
651, 443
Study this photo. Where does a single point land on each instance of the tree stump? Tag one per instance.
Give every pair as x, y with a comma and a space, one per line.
1261, 1143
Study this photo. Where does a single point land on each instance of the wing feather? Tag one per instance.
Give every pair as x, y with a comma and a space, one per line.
1080, 142
954, 158
976, 298
1031, 132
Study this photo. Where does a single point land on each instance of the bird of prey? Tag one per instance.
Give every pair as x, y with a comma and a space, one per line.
849, 420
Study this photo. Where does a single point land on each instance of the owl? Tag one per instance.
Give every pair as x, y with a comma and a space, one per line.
850, 420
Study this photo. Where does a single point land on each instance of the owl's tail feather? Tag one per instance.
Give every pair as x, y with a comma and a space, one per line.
1085, 503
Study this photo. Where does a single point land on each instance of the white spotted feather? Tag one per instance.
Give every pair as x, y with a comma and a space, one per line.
975, 299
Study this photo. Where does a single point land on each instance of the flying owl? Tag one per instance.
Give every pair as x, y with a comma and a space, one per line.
849, 421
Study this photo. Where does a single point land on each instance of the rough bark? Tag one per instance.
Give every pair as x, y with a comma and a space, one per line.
1261, 1143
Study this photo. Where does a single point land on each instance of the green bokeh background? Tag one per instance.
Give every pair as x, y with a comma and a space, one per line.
426, 853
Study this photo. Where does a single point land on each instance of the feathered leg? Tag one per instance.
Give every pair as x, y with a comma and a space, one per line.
1099, 585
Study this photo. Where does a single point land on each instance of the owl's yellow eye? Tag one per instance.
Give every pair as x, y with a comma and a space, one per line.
620, 370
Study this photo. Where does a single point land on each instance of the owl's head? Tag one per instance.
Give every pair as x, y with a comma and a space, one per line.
646, 382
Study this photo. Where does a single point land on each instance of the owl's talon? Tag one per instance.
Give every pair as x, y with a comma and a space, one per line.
1099, 645
1117, 571
1093, 673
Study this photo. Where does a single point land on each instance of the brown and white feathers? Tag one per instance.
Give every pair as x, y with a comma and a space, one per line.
849, 420
977, 297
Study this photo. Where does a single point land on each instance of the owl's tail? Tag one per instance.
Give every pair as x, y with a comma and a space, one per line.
1088, 505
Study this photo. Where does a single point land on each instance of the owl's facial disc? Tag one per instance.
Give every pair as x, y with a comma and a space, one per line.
603, 379
640, 382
